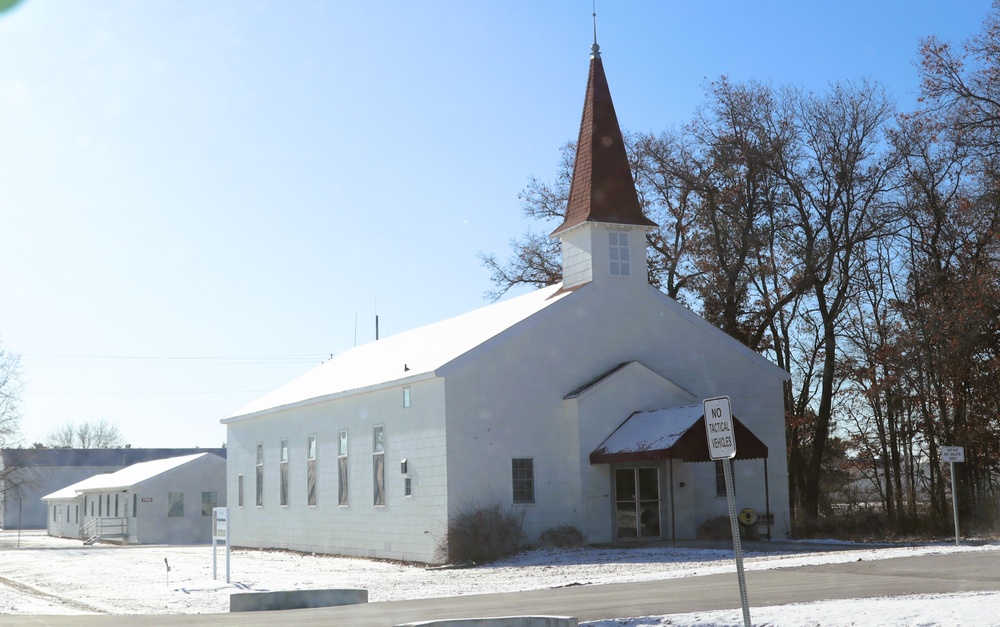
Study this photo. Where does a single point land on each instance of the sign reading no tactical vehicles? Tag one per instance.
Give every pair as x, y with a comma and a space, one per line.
719, 428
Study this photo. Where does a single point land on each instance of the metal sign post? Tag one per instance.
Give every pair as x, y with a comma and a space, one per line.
722, 446
953, 454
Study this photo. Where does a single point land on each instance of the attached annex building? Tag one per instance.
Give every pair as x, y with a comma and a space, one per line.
579, 402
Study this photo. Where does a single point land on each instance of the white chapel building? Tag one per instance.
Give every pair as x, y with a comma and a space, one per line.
579, 403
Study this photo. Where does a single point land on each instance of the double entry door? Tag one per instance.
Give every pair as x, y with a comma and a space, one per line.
637, 503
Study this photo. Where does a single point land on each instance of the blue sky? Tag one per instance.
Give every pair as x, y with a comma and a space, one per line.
200, 201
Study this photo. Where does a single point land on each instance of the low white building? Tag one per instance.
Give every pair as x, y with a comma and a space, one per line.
164, 501
578, 404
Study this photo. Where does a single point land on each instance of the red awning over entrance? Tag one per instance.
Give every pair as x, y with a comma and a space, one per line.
672, 433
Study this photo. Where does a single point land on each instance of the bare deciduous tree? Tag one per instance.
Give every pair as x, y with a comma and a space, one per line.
94, 434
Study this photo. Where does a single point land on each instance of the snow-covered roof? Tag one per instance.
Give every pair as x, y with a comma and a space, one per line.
126, 477
654, 430
671, 433
412, 355
70, 491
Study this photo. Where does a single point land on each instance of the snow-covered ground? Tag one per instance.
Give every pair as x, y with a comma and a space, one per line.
57, 576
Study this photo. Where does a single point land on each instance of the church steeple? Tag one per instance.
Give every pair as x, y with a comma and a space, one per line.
601, 191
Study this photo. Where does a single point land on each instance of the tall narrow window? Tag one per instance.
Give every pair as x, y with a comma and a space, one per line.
621, 263
342, 469
523, 479
406, 397
175, 504
135, 506
311, 471
116, 506
239, 490
720, 478
283, 472
209, 501
260, 475
378, 464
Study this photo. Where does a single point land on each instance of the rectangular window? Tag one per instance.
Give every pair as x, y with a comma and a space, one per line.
91, 508
116, 506
175, 504
406, 397
55, 514
209, 501
239, 490
621, 263
523, 479
311, 471
260, 475
135, 506
378, 464
342, 468
283, 474
407, 486
720, 478
100, 505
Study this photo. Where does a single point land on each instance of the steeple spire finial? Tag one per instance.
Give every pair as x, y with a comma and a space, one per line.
595, 50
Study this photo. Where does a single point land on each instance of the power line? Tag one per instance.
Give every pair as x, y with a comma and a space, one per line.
309, 358
143, 393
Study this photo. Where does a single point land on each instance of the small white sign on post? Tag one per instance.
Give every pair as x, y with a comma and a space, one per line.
220, 531
953, 455
722, 447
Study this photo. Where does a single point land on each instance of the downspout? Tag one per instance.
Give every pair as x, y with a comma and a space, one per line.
673, 519
767, 501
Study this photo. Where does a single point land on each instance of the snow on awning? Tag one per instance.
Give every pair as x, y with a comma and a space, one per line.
672, 433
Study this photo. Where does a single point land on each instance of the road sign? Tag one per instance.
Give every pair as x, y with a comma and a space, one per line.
953, 454
722, 446
719, 428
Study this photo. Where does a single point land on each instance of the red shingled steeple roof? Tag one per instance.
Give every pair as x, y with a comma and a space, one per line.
602, 189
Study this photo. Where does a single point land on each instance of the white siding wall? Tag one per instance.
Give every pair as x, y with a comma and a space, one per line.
63, 518
405, 528
154, 526
508, 402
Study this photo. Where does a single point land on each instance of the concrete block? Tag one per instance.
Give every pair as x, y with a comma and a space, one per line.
294, 599
499, 621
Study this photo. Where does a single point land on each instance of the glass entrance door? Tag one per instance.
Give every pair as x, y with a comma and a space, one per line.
637, 503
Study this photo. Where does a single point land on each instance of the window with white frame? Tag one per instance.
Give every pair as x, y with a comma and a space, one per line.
311, 471
283, 473
720, 478
342, 468
260, 475
378, 464
406, 397
621, 262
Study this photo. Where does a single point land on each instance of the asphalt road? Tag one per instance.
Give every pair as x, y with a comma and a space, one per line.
956, 572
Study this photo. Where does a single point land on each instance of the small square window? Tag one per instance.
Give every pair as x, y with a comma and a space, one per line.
209, 501
175, 504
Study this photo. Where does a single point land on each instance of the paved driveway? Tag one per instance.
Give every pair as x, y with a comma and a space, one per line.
955, 572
